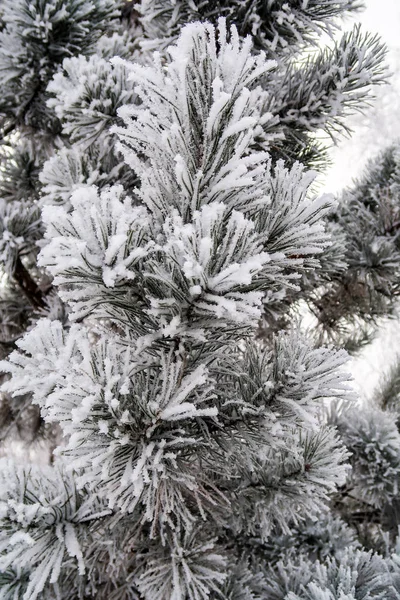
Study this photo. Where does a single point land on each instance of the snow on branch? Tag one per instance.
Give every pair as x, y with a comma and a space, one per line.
43, 520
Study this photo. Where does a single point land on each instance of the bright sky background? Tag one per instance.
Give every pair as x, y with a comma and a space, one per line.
381, 124
372, 132
383, 17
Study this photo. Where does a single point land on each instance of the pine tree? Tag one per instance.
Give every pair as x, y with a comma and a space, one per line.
35, 39
169, 196
366, 223
355, 549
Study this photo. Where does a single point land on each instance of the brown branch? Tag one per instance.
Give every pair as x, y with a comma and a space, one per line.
6, 130
28, 285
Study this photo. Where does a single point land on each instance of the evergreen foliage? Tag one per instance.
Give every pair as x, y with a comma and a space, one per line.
368, 219
159, 228
311, 91
276, 27
35, 39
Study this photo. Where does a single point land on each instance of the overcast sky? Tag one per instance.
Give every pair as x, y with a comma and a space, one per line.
381, 124
383, 16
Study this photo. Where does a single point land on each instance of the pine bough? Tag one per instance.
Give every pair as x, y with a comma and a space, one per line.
184, 441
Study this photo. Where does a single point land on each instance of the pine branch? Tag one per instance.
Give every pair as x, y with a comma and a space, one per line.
6, 130
28, 285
